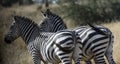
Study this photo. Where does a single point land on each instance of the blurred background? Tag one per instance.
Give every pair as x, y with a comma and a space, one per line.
73, 12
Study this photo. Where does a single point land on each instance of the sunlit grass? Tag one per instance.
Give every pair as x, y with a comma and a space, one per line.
115, 28
16, 53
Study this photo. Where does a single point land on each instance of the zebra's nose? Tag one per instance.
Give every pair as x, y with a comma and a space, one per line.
7, 40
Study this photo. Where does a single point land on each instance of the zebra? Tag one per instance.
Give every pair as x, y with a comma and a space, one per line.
48, 15
96, 41
51, 22
49, 47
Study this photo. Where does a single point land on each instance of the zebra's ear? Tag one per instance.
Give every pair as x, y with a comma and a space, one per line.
48, 11
16, 18
43, 13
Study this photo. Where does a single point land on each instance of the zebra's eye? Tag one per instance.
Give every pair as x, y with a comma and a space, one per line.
45, 15
43, 23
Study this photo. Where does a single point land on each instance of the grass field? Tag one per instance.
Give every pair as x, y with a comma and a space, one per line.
16, 53
114, 27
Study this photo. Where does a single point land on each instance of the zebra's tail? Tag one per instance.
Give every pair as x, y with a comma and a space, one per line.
109, 51
71, 48
98, 30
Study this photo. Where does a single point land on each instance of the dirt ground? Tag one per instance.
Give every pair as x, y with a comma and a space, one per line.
16, 53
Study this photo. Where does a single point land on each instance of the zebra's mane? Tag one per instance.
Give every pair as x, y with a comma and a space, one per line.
48, 11
22, 18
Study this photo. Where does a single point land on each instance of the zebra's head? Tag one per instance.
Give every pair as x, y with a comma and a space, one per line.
13, 32
47, 13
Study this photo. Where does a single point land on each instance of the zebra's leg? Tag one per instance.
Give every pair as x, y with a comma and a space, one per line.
99, 58
109, 54
65, 58
99, 52
77, 57
35, 58
77, 54
35, 55
44, 62
77, 61
110, 58
88, 62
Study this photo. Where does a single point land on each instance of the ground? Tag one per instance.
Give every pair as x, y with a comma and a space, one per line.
16, 53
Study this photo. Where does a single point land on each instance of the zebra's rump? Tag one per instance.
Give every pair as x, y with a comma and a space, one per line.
60, 43
91, 41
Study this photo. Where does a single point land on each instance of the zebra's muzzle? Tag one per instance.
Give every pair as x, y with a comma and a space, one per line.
7, 40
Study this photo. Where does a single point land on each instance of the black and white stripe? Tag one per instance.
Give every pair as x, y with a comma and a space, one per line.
94, 43
51, 22
49, 47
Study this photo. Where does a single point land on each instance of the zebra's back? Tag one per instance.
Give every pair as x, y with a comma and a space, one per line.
58, 46
91, 42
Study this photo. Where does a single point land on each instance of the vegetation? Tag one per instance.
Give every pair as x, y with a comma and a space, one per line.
96, 11
17, 53
82, 11
8, 3
78, 11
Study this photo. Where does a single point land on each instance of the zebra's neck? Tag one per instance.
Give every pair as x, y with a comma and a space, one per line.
30, 32
57, 23
27, 29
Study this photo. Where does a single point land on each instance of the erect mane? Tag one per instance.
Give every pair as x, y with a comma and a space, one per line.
22, 18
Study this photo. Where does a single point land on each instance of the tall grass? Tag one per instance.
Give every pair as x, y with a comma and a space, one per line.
16, 53
114, 27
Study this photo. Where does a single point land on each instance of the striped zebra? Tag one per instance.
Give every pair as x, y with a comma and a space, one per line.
49, 47
51, 22
96, 41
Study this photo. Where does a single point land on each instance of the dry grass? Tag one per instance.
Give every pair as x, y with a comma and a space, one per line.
114, 27
16, 53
